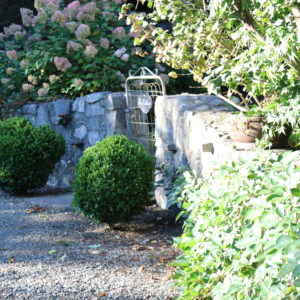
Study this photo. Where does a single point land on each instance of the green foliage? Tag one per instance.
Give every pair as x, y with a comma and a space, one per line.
280, 118
113, 180
249, 46
241, 239
27, 154
294, 138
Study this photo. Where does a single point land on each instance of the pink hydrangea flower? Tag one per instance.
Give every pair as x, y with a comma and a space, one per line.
12, 54
49, 6
87, 12
82, 31
73, 9
104, 43
40, 18
125, 57
10, 70
120, 52
53, 78
24, 63
73, 46
12, 29
5, 81
26, 87
90, 51
71, 26
58, 17
119, 32
42, 92
78, 83
19, 35
27, 17
62, 63
91, 7
32, 79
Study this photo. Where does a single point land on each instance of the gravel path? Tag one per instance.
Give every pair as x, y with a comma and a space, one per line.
57, 254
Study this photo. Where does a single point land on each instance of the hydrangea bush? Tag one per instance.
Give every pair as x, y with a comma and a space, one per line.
73, 50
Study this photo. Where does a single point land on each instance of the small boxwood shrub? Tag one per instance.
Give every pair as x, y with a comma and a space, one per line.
27, 154
241, 239
113, 180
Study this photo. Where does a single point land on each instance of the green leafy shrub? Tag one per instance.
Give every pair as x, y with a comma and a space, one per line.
27, 154
241, 239
227, 43
113, 180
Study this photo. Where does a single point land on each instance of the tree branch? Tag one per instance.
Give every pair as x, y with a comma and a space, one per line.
246, 18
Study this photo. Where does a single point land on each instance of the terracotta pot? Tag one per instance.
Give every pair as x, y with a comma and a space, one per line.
247, 130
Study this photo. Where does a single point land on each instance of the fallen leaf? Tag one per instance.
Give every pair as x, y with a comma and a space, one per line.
162, 260
35, 209
122, 271
102, 294
11, 260
64, 257
53, 251
135, 259
138, 248
22, 226
65, 243
3, 249
141, 269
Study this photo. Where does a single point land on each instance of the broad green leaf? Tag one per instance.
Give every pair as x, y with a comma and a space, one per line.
283, 241
287, 269
297, 283
296, 271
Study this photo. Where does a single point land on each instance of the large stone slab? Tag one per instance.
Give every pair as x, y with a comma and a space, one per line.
94, 110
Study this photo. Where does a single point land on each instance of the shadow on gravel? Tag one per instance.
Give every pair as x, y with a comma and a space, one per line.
55, 237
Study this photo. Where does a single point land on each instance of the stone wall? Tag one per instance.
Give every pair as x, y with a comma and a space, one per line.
192, 132
82, 122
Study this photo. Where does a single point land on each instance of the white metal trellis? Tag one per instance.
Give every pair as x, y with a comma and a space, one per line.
142, 89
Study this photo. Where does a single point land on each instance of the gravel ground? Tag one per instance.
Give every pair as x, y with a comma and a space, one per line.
57, 254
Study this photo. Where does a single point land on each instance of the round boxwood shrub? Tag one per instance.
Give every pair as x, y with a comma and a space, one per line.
27, 154
113, 180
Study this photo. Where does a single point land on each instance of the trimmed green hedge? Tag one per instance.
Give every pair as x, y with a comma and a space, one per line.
113, 180
27, 154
